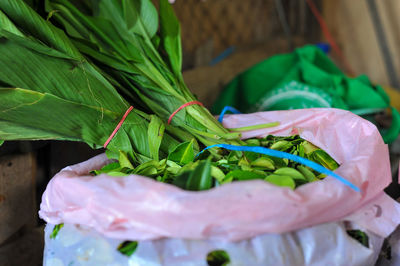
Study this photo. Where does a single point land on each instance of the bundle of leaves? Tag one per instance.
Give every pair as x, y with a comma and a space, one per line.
141, 50
48, 90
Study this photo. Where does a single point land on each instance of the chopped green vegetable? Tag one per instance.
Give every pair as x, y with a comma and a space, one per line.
183, 171
55, 231
263, 162
324, 159
127, 248
360, 236
287, 171
183, 153
218, 258
198, 179
281, 180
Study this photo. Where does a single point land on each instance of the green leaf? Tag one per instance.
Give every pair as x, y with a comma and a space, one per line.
115, 166
309, 175
140, 16
183, 153
196, 179
241, 175
1, 142
55, 231
91, 50
287, 171
117, 173
321, 157
308, 147
244, 162
360, 236
255, 127
182, 179
102, 31
24, 115
149, 168
218, 257
124, 160
6, 24
281, 145
281, 180
155, 134
156, 41
278, 162
127, 248
251, 156
234, 156
25, 17
301, 151
170, 36
253, 142
263, 162
200, 178
193, 122
217, 173
49, 71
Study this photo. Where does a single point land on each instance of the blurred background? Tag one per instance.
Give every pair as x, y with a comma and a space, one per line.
221, 39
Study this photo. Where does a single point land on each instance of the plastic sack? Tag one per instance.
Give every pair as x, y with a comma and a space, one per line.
326, 244
305, 78
140, 208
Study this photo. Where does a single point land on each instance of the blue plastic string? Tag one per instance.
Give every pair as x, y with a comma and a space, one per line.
280, 154
227, 108
222, 56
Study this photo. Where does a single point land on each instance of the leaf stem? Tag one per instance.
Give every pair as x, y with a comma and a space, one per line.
259, 126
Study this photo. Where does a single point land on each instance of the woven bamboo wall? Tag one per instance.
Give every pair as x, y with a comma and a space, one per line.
225, 22
209, 27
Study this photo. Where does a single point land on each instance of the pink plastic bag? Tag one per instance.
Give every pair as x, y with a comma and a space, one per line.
140, 208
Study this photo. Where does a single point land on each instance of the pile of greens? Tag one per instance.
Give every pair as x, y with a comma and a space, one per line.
183, 169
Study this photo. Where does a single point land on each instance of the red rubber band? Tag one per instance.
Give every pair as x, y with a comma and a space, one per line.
180, 108
118, 126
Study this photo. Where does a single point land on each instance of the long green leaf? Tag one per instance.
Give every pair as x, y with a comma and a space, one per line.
23, 109
25, 17
171, 36
27, 64
140, 16
200, 178
155, 134
84, 105
7, 25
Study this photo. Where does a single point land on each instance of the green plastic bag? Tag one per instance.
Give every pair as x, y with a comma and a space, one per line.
305, 78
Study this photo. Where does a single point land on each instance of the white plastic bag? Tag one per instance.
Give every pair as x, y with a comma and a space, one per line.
326, 244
